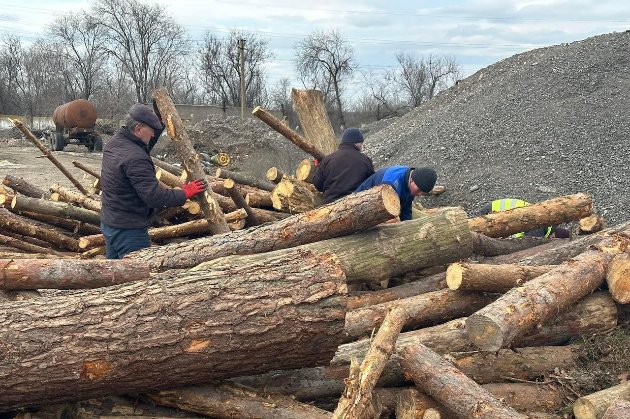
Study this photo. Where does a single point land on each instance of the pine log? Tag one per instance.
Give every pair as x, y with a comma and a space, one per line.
230, 187
618, 278
25, 227
228, 400
172, 169
220, 159
547, 213
27, 239
422, 310
274, 175
66, 195
190, 159
450, 387
619, 409
489, 246
520, 309
266, 216
288, 133
69, 274
294, 196
356, 400
412, 404
529, 396
192, 207
23, 245
311, 109
245, 179
74, 226
345, 216
306, 170
58, 209
86, 169
594, 405
22, 255
591, 224
25, 188
259, 199
213, 324
29, 135
168, 178
491, 278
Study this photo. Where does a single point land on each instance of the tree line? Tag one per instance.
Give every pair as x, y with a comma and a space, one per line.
116, 52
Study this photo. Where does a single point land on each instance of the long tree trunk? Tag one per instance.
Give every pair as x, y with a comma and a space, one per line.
190, 328
245, 179
74, 226
25, 188
26, 227
58, 209
491, 278
23, 245
490, 246
311, 110
61, 193
88, 170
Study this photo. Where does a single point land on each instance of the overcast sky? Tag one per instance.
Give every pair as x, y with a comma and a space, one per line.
477, 32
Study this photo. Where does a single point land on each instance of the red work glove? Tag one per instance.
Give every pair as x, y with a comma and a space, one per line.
316, 162
194, 187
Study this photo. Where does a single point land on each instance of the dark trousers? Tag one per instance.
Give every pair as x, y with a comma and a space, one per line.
122, 241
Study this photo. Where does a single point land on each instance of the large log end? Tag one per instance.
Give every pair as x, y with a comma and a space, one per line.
391, 200
584, 409
618, 278
484, 332
454, 274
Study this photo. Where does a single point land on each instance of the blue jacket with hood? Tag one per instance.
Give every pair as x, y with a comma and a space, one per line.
398, 178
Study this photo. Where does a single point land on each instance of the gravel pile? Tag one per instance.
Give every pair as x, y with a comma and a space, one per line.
544, 123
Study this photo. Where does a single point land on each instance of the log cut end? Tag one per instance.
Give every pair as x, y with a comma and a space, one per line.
618, 278
305, 170
274, 175
584, 409
454, 275
484, 332
256, 110
391, 201
591, 224
432, 414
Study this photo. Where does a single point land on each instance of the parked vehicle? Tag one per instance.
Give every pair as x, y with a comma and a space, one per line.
74, 124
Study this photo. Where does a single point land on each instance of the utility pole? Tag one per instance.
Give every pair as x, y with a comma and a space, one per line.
241, 47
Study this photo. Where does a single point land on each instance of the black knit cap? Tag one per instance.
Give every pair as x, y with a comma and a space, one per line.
352, 136
424, 178
144, 114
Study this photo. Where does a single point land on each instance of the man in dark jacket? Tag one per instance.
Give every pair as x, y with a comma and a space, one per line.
408, 182
130, 190
340, 172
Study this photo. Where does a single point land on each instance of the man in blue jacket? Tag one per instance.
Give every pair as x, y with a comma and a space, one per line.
408, 182
130, 190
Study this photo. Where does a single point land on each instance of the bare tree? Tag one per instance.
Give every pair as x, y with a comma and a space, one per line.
421, 78
280, 99
380, 95
324, 60
144, 39
221, 70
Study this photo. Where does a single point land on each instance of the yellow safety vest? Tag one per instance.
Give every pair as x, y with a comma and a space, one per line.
510, 203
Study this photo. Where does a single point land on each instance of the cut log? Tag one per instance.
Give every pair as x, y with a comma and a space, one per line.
591, 224
294, 196
306, 170
88, 170
618, 278
25, 227
547, 213
58, 209
74, 226
491, 278
274, 174
25, 188
229, 400
311, 109
5, 199
594, 405
230, 187
422, 310
356, 400
172, 169
288, 133
450, 387
220, 159
212, 324
259, 199
92, 253
266, 216
190, 160
345, 216
245, 179
412, 404
61, 193
489, 246
69, 274
520, 309
167, 178
529, 396
619, 409
29, 136
23, 245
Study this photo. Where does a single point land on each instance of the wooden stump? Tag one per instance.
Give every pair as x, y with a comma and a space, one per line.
311, 109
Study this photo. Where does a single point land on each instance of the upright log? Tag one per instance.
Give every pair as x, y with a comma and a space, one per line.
594, 405
58, 209
88, 170
345, 216
69, 274
491, 278
192, 328
288, 133
190, 160
245, 179
618, 278
311, 110
66, 195
547, 213
25, 188
25, 227
29, 135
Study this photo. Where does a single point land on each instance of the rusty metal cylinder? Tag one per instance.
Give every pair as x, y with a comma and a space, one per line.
76, 114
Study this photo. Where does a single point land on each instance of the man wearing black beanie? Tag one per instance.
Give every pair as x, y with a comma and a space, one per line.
408, 182
340, 172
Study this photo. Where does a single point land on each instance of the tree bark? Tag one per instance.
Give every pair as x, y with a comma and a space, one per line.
74, 226
61, 193
25, 188
274, 175
58, 209
356, 400
412, 404
591, 224
450, 387
29, 135
306, 170
619, 409
547, 213
491, 278
259, 199
230, 187
266, 216
25, 227
190, 328
294, 196
489, 246
228, 400
422, 310
168, 178
245, 179
529, 396
520, 309
190, 160
618, 278
22, 245
69, 274
288, 133
86, 169
594, 405
172, 169
309, 105
345, 216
